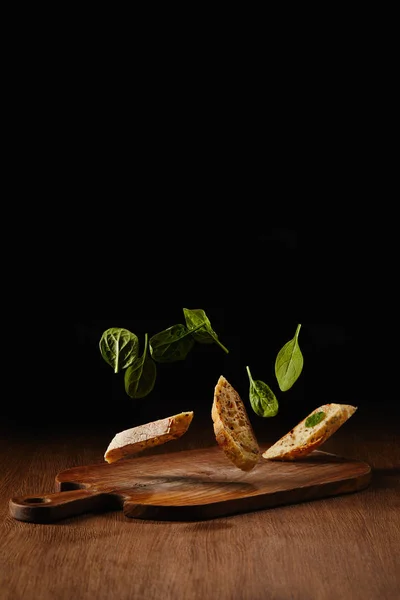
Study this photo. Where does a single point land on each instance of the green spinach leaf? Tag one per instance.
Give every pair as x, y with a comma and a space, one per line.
198, 322
262, 399
119, 347
289, 363
140, 377
315, 418
172, 344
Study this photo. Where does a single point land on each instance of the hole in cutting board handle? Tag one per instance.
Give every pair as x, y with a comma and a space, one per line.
60, 505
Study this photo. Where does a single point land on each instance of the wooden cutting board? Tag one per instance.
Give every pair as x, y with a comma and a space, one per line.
191, 485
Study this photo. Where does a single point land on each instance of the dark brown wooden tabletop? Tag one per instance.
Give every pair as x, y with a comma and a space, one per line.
345, 547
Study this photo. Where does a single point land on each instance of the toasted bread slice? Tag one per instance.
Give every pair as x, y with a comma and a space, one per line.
303, 439
132, 441
232, 427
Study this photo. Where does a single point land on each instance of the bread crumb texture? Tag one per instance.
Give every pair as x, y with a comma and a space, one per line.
131, 441
232, 426
302, 440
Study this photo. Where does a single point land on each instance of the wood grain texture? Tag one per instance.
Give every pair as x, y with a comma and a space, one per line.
191, 485
345, 547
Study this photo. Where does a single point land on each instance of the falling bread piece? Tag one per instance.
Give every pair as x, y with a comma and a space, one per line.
137, 439
311, 432
232, 427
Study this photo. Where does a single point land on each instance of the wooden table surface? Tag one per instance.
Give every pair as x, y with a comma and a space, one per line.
347, 547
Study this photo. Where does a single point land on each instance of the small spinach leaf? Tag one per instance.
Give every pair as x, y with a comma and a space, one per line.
171, 344
119, 347
315, 418
262, 399
289, 363
196, 319
140, 377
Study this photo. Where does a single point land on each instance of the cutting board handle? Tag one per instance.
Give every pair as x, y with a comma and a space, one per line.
60, 505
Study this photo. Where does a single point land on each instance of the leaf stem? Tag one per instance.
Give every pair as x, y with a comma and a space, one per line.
249, 374
297, 331
145, 344
221, 345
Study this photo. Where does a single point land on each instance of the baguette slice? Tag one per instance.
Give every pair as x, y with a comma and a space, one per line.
232, 427
132, 441
302, 440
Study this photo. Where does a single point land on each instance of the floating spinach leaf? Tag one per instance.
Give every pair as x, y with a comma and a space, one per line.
119, 347
289, 363
315, 418
262, 399
140, 377
171, 344
198, 322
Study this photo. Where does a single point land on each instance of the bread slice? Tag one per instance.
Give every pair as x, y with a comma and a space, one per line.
232, 427
302, 440
132, 441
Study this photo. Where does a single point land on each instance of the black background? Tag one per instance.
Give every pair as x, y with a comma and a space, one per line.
255, 285
189, 384
83, 388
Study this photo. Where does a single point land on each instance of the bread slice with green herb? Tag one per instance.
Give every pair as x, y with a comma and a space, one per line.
311, 432
131, 441
232, 427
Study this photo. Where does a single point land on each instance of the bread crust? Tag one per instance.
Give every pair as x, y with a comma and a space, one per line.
302, 440
132, 441
232, 427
